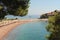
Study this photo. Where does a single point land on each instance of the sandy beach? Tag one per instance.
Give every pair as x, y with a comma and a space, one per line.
7, 26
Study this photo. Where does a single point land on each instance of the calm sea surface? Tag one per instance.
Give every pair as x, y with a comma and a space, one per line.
29, 31
25, 17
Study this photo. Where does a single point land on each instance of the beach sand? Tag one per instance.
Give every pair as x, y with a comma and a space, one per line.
8, 26
4, 30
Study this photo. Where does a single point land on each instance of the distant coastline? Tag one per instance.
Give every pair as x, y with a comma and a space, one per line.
47, 15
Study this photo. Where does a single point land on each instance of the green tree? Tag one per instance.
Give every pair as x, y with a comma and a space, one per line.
2, 12
14, 7
54, 26
44, 16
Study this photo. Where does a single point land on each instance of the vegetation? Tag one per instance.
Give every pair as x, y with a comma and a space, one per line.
54, 26
44, 16
13, 7
47, 15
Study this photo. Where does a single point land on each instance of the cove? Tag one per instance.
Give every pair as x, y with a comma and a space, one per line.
29, 31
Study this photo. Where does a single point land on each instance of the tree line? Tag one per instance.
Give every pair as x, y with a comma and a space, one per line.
13, 7
54, 26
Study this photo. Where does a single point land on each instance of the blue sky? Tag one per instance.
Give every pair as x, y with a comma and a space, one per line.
38, 7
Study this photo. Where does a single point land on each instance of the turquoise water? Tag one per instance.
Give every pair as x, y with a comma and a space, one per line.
29, 31
25, 17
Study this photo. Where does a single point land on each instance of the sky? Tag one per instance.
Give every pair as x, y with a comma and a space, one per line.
39, 7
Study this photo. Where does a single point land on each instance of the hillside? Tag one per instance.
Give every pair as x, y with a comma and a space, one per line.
47, 15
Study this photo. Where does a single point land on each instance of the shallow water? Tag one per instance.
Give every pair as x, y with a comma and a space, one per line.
29, 31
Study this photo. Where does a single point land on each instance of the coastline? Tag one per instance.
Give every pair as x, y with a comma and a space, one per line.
6, 28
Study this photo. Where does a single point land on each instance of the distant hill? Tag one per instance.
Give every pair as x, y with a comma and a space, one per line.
47, 15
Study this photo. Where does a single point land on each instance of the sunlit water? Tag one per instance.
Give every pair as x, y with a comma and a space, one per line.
24, 17
29, 31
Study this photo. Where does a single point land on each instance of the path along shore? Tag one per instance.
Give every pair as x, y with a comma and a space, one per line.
7, 26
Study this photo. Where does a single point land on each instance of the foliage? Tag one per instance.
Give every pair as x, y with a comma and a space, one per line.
54, 26
2, 12
14, 7
1, 7
44, 16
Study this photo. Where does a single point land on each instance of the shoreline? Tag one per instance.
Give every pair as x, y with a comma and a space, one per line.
6, 28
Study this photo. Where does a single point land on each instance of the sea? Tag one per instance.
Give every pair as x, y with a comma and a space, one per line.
24, 17
28, 31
